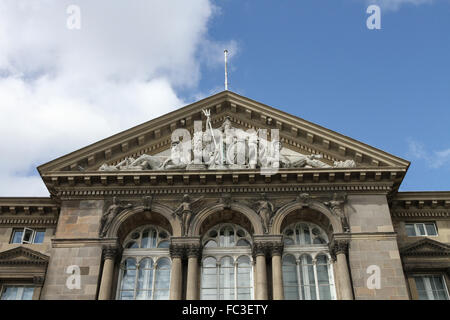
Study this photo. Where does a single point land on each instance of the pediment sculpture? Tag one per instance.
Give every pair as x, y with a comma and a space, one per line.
226, 147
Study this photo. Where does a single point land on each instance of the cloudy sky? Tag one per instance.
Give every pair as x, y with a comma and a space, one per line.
62, 89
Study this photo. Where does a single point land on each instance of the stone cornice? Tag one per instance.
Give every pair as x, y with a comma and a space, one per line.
84, 242
191, 177
425, 213
42, 211
421, 200
365, 236
130, 192
28, 221
72, 185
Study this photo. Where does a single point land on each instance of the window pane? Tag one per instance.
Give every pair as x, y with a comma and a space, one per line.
17, 237
307, 277
226, 294
129, 275
419, 283
209, 278
243, 261
431, 229
10, 293
209, 262
162, 280
161, 295
144, 295
291, 293
421, 229
211, 244
126, 295
244, 277
28, 293
325, 292
243, 243
288, 241
290, 281
410, 230
244, 294
132, 244
28, 236
163, 244
145, 278
209, 294
145, 242
322, 274
39, 238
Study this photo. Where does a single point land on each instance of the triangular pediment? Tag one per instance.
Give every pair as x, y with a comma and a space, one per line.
154, 137
21, 256
426, 247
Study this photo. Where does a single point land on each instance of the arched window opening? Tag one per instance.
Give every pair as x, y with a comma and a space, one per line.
145, 267
307, 270
227, 264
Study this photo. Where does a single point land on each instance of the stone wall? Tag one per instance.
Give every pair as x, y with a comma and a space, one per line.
75, 244
373, 242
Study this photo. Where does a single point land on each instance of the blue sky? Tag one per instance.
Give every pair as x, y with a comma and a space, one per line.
389, 88
63, 89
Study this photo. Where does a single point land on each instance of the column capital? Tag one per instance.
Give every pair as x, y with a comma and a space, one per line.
338, 247
260, 249
177, 251
276, 248
194, 251
110, 253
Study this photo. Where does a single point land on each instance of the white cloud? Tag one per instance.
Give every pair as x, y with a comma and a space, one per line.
434, 159
62, 89
394, 5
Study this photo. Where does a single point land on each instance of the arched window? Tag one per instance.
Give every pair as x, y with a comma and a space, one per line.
227, 265
307, 272
145, 267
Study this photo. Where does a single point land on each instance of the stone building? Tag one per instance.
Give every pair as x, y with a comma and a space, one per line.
300, 212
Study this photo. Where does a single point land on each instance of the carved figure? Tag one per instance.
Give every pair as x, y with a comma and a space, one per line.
265, 209
109, 215
185, 211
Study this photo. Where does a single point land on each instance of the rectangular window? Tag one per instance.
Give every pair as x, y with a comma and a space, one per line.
431, 287
17, 293
421, 229
27, 235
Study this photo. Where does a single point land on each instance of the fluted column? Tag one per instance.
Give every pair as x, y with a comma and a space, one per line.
193, 253
277, 272
339, 250
109, 255
176, 273
259, 252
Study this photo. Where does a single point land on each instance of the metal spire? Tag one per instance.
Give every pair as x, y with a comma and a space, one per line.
225, 52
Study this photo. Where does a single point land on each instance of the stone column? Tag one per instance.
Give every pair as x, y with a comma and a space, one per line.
259, 251
277, 271
176, 276
193, 253
339, 250
109, 255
